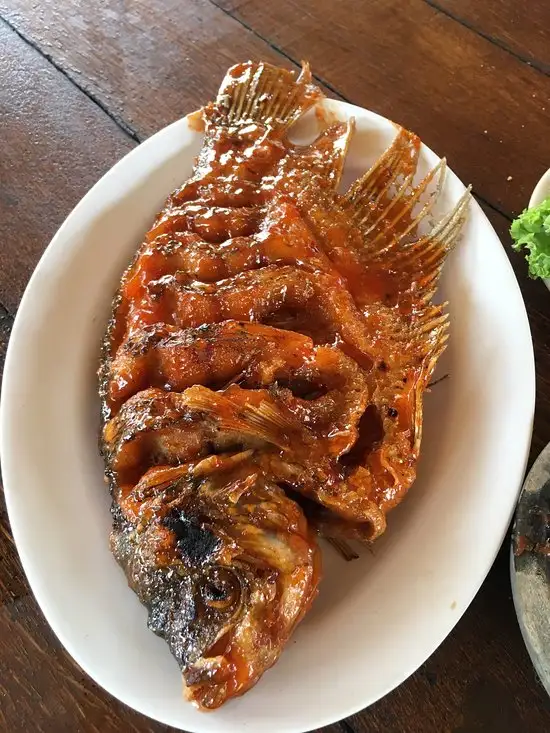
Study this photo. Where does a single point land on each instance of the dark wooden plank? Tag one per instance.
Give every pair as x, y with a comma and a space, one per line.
148, 63
6, 322
53, 152
520, 26
481, 679
56, 143
12, 579
13, 583
468, 99
41, 689
537, 299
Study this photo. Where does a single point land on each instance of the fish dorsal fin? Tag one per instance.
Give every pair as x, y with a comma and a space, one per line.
425, 329
396, 163
385, 203
388, 207
419, 261
436, 343
409, 340
263, 94
423, 258
419, 348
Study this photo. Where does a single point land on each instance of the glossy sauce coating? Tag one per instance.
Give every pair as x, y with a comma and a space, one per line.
263, 373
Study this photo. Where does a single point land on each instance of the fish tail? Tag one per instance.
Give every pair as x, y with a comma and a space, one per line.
261, 93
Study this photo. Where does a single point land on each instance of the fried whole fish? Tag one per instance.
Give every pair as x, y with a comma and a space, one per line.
263, 374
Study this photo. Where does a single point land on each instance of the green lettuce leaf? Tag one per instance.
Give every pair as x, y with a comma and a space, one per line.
532, 230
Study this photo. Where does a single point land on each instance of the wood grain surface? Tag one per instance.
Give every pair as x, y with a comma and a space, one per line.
56, 143
81, 83
520, 27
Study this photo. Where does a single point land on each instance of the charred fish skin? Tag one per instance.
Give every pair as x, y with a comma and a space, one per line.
271, 339
224, 563
170, 594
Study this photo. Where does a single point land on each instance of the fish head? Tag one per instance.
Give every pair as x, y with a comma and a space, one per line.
227, 569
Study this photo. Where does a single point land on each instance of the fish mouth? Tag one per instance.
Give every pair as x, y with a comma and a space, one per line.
220, 673
224, 671
210, 681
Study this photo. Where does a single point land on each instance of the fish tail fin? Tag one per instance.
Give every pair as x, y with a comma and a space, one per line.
265, 94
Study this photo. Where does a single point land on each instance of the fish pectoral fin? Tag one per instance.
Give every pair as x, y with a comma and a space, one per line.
261, 93
259, 420
270, 420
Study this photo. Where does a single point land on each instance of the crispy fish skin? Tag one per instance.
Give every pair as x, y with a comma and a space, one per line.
170, 428
266, 361
318, 380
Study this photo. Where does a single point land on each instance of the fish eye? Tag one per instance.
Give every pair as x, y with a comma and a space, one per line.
221, 589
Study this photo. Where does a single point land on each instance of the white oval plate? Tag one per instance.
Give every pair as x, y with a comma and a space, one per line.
376, 619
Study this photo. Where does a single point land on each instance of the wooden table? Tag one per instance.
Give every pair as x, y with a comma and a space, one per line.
84, 81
